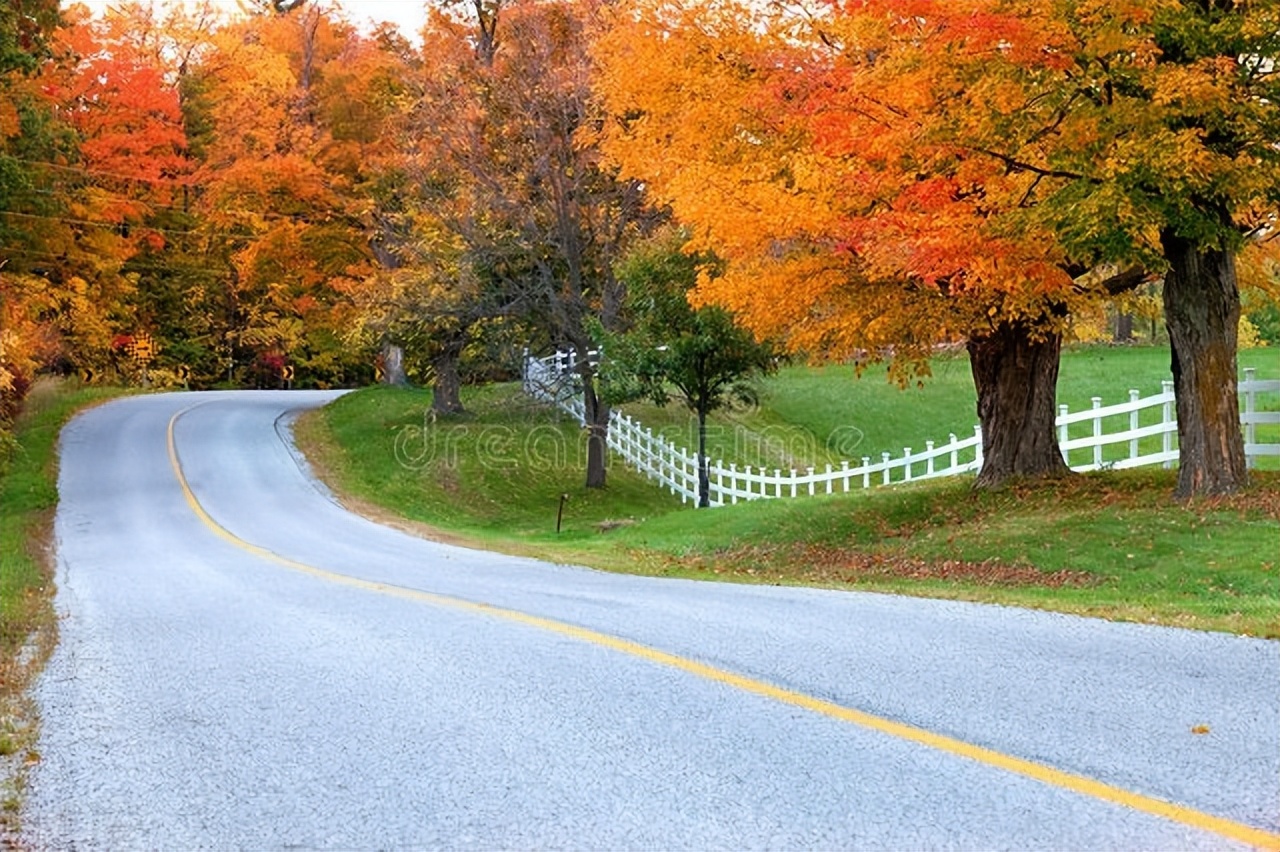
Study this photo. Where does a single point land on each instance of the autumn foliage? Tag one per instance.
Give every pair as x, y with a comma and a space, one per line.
885, 175
874, 178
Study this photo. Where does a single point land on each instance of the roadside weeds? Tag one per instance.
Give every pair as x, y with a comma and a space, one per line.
28, 620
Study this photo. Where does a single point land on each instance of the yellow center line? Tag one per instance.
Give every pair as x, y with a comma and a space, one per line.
1040, 772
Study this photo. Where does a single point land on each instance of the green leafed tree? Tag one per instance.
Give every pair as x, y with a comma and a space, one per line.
673, 350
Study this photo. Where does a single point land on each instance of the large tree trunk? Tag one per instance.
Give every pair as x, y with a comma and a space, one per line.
446, 384
1202, 313
1015, 371
597, 417
393, 365
1124, 328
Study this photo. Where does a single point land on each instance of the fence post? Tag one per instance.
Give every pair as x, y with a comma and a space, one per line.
866, 471
697, 476
828, 477
1166, 417
928, 463
645, 450
955, 454
631, 445
679, 468
844, 468
1097, 434
690, 473
1250, 406
777, 474
667, 464
793, 481
884, 457
733, 483
1134, 397
810, 482
1064, 434
677, 473
906, 464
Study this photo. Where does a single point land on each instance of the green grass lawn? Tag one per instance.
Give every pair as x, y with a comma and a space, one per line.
497, 471
1111, 544
811, 416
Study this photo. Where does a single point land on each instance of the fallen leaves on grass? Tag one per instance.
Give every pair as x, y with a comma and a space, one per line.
852, 567
825, 564
1261, 499
1133, 489
611, 524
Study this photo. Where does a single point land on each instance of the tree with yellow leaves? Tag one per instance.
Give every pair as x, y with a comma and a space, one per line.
885, 174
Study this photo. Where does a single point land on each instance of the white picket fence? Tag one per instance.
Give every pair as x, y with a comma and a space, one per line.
1142, 431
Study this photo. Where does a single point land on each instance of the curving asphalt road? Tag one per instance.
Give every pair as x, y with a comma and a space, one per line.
243, 664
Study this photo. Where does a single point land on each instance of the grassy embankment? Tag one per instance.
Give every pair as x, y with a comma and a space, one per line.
1111, 544
28, 496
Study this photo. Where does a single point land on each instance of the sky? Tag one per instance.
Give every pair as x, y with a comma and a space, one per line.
408, 15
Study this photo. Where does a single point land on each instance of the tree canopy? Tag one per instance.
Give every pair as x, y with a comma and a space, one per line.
875, 178
883, 175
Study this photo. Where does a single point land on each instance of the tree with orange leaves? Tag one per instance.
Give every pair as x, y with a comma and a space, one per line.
907, 170
281, 175
128, 172
847, 231
30, 137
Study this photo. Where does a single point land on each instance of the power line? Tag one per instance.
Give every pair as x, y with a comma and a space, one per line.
67, 220
170, 183
141, 267
264, 217
87, 171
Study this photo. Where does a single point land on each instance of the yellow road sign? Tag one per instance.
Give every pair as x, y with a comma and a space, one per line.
143, 348
286, 372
